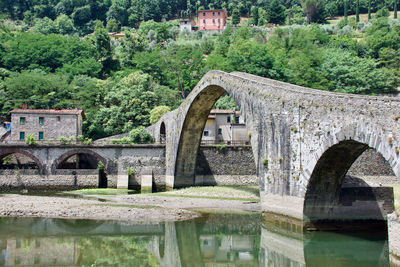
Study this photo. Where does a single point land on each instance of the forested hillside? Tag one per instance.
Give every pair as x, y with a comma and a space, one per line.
48, 58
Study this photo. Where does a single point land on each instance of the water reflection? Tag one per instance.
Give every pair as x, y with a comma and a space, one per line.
215, 240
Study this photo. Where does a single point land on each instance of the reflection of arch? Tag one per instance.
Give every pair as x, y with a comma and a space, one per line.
162, 133
79, 226
324, 188
10, 151
191, 133
70, 153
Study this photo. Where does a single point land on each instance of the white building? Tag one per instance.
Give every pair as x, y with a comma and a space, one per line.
185, 24
225, 126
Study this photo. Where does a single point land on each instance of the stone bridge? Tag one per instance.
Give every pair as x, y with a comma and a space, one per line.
303, 140
115, 158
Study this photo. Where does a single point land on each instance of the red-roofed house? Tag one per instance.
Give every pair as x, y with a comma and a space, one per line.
212, 19
45, 124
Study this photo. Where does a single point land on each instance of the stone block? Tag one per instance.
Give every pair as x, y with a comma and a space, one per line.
146, 184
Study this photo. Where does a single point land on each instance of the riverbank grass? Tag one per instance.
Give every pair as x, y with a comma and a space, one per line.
101, 192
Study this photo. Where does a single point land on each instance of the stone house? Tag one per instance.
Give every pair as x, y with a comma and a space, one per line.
185, 24
225, 126
212, 20
45, 124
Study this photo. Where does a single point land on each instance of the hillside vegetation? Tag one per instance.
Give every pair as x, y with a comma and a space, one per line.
48, 59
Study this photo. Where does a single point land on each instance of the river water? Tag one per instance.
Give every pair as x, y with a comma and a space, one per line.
213, 240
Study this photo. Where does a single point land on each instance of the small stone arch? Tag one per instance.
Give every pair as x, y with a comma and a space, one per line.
70, 153
10, 151
163, 133
332, 163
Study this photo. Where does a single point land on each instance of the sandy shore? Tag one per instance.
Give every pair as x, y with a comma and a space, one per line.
147, 207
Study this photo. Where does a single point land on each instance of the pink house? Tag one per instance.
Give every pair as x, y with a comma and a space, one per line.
212, 19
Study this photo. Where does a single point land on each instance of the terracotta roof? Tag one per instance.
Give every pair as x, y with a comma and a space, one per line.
49, 111
210, 10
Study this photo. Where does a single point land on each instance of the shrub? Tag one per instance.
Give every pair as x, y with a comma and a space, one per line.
157, 112
84, 140
265, 162
140, 136
64, 140
122, 141
130, 171
30, 139
100, 165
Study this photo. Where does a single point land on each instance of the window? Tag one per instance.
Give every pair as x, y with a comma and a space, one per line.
213, 13
21, 135
58, 118
219, 13
219, 131
219, 21
213, 21
37, 243
204, 21
40, 135
236, 119
22, 120
204, 14
18, 243
41, 120
205, 133
228, 119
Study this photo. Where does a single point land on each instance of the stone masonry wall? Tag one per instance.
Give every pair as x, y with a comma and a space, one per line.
370, 163
216, 166
394, 238
225, 165
63, 179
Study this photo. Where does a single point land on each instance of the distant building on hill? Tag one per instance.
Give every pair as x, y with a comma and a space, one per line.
45, 124
211, 20
186, 24
225, 126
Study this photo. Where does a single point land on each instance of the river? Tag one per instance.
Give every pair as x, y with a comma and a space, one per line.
238, 239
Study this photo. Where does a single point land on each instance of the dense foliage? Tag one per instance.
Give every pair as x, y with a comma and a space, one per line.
118, 82
68, 16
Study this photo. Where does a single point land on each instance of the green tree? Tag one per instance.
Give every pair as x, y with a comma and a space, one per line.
127, 104
395, 8
112, 25
254, 13
37, 90
276, 12
345, 9
358, 11
157, 112
103, 46
64, 24
235, 17
369, 10
314, 10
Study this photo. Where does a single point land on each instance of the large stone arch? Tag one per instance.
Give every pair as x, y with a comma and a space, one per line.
78, 151
181, 169
337, 154
9, 151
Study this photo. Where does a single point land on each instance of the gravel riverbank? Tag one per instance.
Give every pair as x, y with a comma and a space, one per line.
136, 207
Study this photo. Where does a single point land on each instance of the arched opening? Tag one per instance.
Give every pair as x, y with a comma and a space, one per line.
83, 162
336, 201
19, 159
221, 129
162, 133
79, 161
